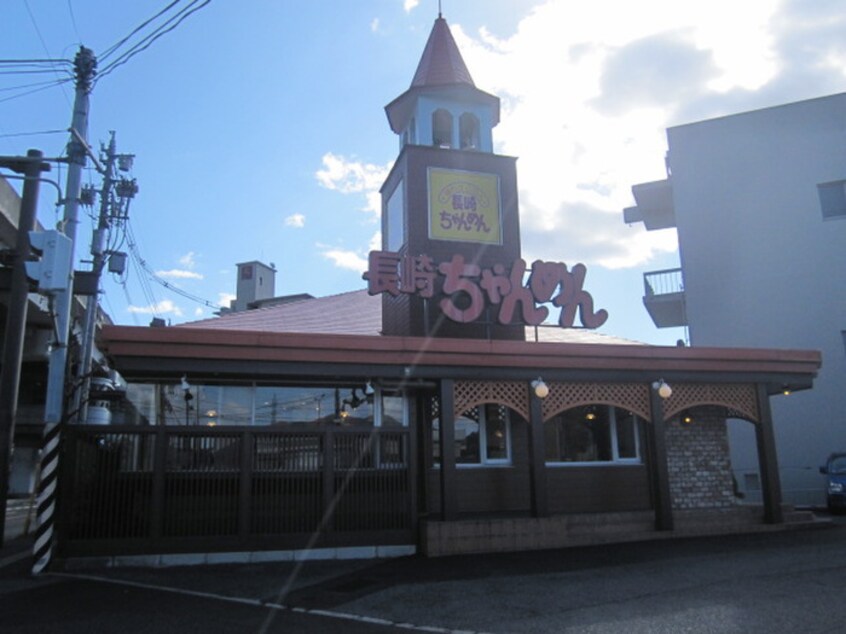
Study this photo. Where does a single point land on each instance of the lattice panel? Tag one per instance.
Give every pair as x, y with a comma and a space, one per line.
563, 396
514, 394
740, 399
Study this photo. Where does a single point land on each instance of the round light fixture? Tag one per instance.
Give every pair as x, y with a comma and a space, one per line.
664, 390
541, 389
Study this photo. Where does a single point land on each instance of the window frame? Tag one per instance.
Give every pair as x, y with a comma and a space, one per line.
484, 461
615, 460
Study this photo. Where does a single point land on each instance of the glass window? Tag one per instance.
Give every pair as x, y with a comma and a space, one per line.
393, 410
296, 405
832, 199
396, 220
496, 433
490, 422
264, 405
467, 440
594, 433
223, 405
627, 438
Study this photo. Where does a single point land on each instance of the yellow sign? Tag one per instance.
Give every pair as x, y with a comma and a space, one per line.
464, 206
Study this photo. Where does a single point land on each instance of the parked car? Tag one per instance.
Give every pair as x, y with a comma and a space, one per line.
835, 486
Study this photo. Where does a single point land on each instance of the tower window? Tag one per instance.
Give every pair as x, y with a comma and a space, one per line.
442, 129
246, 272
468, 128
832, 199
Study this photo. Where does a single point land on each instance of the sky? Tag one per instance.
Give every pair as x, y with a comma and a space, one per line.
259, 131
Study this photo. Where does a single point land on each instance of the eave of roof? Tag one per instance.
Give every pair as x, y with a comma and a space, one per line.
439, 358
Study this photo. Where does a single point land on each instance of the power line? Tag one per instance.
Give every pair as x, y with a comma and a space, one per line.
73, 21
42, 132
44, 86
38, 83
43, 43
169, 25
151, 274
105, 55
32, 62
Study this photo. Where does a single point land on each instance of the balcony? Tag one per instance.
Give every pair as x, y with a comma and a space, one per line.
664, 298
654, 208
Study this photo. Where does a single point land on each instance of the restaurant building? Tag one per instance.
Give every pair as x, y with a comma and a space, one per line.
461, 403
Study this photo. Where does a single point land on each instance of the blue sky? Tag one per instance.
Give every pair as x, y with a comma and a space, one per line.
259, 130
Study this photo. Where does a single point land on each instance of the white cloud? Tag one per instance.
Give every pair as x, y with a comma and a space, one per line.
345, 259
589, 121
199, 312
349, 176
374, 25
224, 299
180, 274
188, 260
408, 5
586, 101
164, 307
296, 220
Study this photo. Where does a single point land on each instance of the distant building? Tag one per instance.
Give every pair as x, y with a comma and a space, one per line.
759, 203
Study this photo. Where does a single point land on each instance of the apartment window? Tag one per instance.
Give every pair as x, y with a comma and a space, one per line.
592, 434
832, 199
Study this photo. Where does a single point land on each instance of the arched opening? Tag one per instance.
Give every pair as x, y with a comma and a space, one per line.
468, 128
442, 128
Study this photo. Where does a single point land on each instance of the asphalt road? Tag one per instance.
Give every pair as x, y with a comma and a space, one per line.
772, 582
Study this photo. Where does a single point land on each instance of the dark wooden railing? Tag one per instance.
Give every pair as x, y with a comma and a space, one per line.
128, 490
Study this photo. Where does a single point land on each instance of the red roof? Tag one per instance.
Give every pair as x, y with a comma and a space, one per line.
357, 313
441, 62
353, 313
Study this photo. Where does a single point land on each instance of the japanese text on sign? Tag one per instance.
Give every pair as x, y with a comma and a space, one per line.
464, 206
549, 282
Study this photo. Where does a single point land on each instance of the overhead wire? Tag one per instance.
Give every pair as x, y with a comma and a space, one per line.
43, 43
169, 25
108, 52
43, 86
73, 21
152, 276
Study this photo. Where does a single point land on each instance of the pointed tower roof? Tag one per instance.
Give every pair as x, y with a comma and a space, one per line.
441, 70
441, 63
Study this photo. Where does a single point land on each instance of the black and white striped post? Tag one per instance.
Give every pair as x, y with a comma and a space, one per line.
43, 548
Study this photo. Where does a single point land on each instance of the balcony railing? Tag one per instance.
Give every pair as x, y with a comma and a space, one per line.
664, 297
663, 282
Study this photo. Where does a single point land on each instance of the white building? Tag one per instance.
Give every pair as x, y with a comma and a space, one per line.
759, 203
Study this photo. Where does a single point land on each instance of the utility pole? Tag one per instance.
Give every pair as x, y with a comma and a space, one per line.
31, 167
85, 64
111, 207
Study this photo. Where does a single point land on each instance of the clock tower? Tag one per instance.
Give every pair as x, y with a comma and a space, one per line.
448, 199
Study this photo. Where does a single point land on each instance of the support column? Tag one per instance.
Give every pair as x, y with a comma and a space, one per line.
537, 458
660, 471
446, 436
767, 459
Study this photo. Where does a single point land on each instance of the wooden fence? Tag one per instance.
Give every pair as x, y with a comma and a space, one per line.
140, 490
